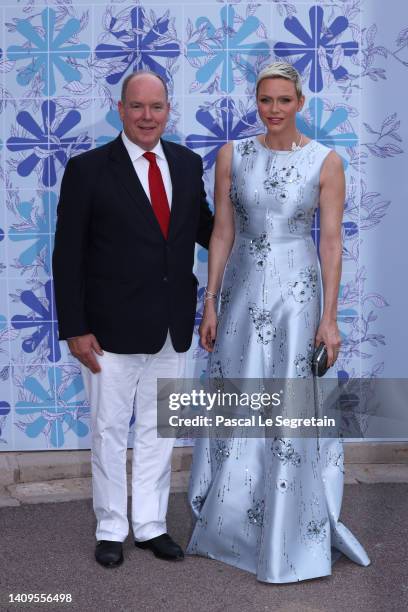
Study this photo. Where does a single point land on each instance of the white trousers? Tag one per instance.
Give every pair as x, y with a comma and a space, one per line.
128, 381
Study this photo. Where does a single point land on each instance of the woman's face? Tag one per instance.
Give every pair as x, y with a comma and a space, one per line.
278, 104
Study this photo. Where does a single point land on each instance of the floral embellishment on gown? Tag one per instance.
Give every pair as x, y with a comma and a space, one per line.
241, 211
316, 530
299, 221
242, 215
336, 459
304, 289
198, 502
225, 298
303, 366
282, 485
271, 184
222, 451
259, 249
289, 174
262, 320
256, 513
246, 147
284, 451
279, 180
303, 363
309, 274
216, 370
217, 374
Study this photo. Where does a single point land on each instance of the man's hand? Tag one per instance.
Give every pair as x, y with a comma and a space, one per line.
84, 349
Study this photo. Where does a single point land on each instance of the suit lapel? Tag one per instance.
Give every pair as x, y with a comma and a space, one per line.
127, 176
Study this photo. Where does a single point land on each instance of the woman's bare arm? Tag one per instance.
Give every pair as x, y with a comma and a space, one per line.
332, 195
221, 242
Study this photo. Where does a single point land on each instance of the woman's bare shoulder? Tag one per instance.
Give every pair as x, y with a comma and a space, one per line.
224, 156
226, 149
332, 163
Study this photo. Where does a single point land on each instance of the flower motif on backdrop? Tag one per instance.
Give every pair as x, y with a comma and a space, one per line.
285, 7
52, 409
224, 53
224, 47
363, 210
2, 265
321, 45
388, 130
6, 335
218, 118
48, 51
369, 209
48, 142
35, 228
4, 411
333, 132
112, 118
200, 309
357, 338
142, 38
43, 318
226, 120
369, 53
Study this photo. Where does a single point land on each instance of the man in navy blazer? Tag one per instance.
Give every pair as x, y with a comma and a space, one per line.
126, 302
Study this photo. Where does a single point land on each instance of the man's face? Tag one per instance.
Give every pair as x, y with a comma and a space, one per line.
145, 111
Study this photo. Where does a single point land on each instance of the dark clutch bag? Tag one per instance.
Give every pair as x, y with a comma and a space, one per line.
319, 360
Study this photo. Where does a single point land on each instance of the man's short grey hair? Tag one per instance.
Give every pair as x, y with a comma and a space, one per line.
281, 70
139, 72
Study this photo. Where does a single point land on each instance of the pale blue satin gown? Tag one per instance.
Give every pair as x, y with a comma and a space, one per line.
270, 506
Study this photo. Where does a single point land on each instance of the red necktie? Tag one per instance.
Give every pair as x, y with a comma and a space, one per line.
158, 194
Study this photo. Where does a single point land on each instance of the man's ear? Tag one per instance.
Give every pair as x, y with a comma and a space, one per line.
120, 109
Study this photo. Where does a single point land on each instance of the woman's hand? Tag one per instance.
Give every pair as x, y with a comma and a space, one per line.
329, 334
208, 326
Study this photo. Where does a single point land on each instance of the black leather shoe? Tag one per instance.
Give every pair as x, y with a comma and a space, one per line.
109, 553
163, 547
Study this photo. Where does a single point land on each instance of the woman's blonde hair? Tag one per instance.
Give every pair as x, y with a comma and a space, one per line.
281, 70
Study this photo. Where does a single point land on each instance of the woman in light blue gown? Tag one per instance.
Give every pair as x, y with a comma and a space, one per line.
271, 505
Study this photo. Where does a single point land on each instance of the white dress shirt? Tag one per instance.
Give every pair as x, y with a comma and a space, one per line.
141, 165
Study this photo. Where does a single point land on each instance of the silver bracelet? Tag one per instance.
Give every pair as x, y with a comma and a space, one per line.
209, 295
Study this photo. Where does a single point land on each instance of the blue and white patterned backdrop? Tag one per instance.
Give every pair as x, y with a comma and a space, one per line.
61, 65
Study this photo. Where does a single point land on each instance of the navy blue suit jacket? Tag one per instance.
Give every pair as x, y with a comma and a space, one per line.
115, 275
